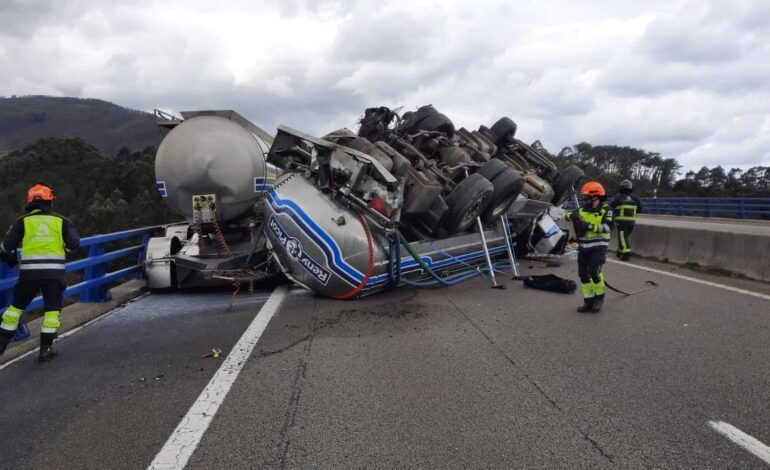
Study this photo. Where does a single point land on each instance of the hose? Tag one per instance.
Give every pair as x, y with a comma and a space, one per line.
369, 268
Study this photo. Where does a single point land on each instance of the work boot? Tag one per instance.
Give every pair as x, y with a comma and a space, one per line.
625, 257
618, 254
587, 305
46, 353
597, 304
4, 340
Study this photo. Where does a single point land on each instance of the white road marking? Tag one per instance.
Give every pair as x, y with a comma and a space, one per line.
185, 439
699, 281
71, 332
739, 437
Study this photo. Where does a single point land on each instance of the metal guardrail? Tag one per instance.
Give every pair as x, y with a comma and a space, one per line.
727, 207
93, 288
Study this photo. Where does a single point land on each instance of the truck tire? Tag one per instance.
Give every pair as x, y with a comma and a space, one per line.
437, 123
411, 119
504, 130
492, 168
507, 186
466, 202
563, 185
487, 132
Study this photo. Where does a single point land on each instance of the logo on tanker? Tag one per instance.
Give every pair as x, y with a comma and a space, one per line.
294, 250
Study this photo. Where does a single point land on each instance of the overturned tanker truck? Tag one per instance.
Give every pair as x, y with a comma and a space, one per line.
408, 200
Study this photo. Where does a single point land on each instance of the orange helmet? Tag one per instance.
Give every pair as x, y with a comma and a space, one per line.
40, 192
592, 188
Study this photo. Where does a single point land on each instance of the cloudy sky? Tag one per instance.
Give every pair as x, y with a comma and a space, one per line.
689, 79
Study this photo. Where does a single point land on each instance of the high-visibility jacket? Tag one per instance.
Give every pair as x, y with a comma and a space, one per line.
626, 206
599, 223
43, 237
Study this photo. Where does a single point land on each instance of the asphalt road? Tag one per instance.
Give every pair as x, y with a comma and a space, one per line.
462, 377
120, 385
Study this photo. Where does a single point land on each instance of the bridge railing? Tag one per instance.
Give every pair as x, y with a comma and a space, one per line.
93, 287
727, 207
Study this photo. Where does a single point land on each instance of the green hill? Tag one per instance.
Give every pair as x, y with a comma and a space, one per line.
108, 127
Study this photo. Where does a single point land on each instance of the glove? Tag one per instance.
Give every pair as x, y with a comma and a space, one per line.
581, 227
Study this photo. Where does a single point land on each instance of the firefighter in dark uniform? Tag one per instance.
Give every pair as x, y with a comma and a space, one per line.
626, 207
593, 224
43, 237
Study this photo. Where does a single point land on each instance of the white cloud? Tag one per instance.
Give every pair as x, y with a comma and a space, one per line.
684, 78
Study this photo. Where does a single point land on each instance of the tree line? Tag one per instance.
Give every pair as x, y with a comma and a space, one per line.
98, 194
655, 175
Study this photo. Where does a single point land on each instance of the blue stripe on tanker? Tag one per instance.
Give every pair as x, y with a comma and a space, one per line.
326, 243
332, 251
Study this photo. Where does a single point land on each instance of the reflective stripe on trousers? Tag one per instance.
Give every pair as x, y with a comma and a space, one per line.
592, 289
51, 322
11, 318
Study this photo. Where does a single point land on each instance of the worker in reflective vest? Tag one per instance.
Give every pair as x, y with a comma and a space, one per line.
43, 237
593, 223
626, 207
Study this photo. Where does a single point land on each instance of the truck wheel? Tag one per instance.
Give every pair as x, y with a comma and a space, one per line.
437, 123
466, 202
508, 186
410, 119
492, 168
564, 183
504, 129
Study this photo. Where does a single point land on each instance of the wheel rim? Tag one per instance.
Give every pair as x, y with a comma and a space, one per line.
500, 208
473, 212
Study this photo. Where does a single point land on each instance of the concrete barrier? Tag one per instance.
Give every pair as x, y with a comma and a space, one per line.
736, 245
747, 254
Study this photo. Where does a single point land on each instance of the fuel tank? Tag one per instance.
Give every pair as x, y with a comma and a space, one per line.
321, 244
213, 154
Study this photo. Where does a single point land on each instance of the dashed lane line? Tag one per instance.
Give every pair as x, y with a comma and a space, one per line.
753, 445
699, 281
185, 439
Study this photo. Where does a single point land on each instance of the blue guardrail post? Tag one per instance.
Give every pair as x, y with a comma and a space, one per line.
100, 292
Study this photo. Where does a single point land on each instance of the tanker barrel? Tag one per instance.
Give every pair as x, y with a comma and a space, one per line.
212, 153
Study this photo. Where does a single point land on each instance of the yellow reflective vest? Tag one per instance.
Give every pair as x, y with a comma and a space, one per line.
598, 223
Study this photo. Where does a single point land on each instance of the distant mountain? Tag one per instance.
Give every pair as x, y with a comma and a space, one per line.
108, 127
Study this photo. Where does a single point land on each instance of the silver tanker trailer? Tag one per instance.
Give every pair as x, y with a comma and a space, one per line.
211, 170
